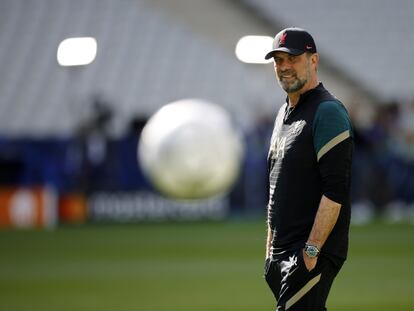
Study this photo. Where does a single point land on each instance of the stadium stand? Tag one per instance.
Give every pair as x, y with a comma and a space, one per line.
144, 61
76, 129
370, 40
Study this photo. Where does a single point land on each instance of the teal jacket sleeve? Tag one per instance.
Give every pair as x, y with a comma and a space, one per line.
332, 139
331, 126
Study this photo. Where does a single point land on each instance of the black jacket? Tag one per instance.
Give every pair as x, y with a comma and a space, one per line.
310, 155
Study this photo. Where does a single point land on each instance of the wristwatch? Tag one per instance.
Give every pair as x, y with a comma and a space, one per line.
311, 251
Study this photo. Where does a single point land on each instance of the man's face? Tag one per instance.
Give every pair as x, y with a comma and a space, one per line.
293, 72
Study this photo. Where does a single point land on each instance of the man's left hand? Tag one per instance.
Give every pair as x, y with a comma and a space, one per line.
310, 263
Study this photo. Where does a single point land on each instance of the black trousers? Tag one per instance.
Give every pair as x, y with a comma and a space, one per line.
297, 289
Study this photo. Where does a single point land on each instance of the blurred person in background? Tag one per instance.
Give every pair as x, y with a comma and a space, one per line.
309, 165
384, 159
372, 158
400, 166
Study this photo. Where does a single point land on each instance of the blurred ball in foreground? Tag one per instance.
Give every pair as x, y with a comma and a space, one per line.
190, 149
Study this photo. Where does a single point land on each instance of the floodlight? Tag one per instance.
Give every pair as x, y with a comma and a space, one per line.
77, 51
252, 49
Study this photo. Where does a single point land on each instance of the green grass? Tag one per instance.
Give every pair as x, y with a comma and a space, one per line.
187, 267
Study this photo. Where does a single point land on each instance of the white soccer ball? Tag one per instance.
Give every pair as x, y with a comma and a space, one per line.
190, 149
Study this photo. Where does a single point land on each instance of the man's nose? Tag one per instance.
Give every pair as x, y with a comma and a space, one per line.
283, 66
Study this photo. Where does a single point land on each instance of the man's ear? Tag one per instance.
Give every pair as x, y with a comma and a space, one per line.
315, 59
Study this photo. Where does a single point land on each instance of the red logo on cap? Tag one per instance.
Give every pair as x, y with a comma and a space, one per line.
282, 39
308, 47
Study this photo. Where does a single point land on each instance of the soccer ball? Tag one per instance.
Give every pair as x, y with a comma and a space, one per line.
189, 149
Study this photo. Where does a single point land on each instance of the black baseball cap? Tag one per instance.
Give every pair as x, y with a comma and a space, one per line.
294, 41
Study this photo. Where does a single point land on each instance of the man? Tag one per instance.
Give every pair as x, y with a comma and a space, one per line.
309, 174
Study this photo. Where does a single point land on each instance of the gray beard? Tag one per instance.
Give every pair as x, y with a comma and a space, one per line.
292, 88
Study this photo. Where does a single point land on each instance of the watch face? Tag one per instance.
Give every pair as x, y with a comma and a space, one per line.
311, 251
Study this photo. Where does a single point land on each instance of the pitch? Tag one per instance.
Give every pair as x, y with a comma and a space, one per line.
187, 267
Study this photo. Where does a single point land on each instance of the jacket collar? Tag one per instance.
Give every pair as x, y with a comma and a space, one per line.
305, 95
